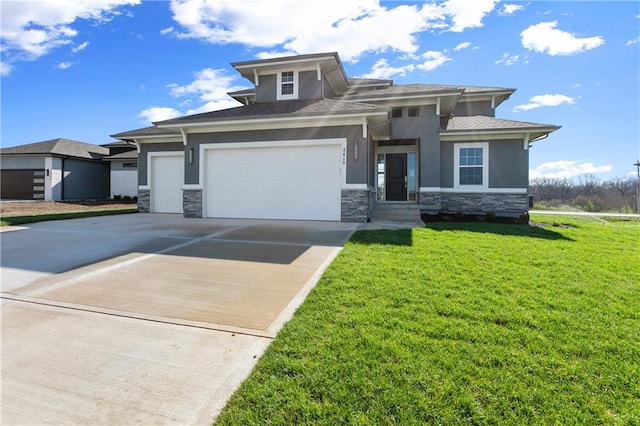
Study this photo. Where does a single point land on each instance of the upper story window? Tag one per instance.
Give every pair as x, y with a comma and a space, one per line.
471, 165
396, 112
413, 112
287, 85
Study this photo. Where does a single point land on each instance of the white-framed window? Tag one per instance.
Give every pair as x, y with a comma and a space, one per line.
471, 166
287, 85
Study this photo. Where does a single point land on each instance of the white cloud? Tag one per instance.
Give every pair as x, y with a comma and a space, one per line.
433, 60
80, 47
462, 45
350, 27
510, 9
543, 101
209, 88
64, 65
153, 114
508, 59
382, 69
31, 29
546, 38
5, 69
430, 61
567, 169
634, 41
166, 31
468, 14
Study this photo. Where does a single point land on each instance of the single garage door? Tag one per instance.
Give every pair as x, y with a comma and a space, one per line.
22, 184
167, 177
275, 182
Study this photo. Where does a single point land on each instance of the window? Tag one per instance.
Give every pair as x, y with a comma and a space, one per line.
287, 85
471, 166
396, 112
413, 112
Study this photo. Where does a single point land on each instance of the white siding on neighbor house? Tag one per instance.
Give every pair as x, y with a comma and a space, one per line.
53, 179
256, 180
13, 162
124, 181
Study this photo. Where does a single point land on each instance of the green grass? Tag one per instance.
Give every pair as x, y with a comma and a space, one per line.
22, 220
462, 324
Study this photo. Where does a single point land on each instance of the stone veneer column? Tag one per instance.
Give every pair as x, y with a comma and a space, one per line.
192, 202
354, 205
144, 200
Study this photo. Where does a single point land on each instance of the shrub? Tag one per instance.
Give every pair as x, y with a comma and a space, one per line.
490, 216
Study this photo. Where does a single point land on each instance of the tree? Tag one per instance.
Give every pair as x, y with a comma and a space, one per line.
623, 185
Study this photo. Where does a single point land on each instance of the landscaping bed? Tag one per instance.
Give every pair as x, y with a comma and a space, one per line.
21, 212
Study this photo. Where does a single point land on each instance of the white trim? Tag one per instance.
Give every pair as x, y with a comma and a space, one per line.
255, 77
526, 141
144, 187
191, 186
294, 95
478, 190
183, 132
355, 186
438, 106
485, 166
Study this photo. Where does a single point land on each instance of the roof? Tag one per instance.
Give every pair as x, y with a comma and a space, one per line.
127, 155
119, 144
404, 89
59, 147
145, 131
480, 123
279, 108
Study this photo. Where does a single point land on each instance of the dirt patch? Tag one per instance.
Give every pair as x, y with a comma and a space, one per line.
28, 208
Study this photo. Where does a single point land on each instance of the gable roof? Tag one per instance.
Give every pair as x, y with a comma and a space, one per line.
59, 147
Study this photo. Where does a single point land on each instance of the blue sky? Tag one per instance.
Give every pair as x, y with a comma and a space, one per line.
85, 70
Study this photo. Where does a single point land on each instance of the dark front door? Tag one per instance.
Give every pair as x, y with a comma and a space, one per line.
396, 178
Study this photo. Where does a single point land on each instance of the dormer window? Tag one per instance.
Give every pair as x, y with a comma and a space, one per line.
287, 85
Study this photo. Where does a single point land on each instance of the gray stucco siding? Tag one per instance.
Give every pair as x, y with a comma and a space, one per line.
508, 164
356, 169
154, 147
466, 109
309, 86
426, 128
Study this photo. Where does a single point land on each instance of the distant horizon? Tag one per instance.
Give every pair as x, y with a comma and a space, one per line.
84, 72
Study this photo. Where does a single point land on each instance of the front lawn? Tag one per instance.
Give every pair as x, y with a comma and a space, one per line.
461, 323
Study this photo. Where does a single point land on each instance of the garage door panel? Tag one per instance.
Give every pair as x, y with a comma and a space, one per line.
167, 176
284, 182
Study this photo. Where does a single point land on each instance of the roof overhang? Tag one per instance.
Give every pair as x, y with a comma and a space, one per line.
375, 121
527, 136
445, 102
495, 97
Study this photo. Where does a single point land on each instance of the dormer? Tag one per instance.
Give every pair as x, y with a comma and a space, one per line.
301, 77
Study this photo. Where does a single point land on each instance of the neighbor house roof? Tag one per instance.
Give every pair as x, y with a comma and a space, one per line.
128, 155
59, 147
277, 109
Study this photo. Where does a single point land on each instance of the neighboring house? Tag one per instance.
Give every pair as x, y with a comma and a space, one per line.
57, 169
123, 160
311, 143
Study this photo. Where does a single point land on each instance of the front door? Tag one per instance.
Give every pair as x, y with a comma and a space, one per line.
396, 177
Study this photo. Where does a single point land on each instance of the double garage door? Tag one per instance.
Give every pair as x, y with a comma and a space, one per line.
273, 182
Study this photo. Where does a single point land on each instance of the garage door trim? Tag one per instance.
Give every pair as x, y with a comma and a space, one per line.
150, 165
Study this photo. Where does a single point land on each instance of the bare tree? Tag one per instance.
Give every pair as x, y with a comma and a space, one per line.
589, 184
623, 185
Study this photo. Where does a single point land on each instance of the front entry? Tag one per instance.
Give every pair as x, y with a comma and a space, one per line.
396, 177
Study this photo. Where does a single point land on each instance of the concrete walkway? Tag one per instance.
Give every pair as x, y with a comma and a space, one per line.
149, 319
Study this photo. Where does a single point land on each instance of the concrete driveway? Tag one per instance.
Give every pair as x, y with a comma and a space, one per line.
148, 319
